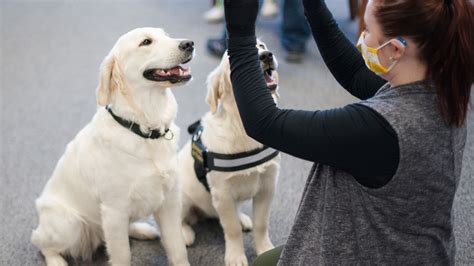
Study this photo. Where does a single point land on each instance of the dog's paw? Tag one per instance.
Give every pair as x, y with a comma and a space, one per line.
188, 234
181, 262
143, 231
236, 260
246, 222
54, 259
57, 262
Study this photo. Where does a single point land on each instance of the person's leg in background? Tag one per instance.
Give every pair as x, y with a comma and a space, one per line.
217, 46
295, 30
268, 258
269, 8
216, 13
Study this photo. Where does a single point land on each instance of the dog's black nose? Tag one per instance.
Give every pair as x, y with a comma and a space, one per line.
186, 45
266, 57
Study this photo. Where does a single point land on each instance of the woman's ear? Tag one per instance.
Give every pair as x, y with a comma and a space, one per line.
104, 88
213, 88
398, 50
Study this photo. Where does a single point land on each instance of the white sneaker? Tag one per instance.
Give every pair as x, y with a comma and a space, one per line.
269, 9
214, 15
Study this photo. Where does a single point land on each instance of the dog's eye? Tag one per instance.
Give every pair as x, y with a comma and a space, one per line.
145, 42
261, 46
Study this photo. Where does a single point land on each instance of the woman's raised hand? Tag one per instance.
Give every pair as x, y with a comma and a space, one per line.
312, 4
240, 16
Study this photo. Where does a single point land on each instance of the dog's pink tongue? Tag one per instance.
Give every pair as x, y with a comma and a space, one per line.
268, 79
174, 71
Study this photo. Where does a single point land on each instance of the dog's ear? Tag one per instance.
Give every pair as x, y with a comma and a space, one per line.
214, 88
105, 87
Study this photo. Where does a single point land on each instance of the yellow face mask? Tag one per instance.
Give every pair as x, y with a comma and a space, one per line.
371, 55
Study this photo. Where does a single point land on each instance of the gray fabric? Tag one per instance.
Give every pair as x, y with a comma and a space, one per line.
406, 222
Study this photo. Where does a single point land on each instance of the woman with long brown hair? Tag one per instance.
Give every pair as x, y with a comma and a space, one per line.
386, 168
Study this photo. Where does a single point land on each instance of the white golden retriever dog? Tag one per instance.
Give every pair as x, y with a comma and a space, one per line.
113, 174
223, 132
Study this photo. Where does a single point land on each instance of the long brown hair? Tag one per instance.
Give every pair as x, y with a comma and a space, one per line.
444, 33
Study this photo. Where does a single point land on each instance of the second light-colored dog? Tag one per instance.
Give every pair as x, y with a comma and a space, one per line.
224, 133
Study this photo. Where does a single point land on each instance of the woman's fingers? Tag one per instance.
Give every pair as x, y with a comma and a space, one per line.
312, 4
240, 17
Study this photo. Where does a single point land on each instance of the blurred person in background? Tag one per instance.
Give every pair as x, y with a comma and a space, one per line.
269, 9
216, 13
294, 35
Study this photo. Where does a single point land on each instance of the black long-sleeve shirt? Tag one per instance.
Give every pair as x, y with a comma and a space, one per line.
353, 138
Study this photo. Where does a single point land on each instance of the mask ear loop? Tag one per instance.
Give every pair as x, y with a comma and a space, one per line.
402, 41
405, 44
399, 39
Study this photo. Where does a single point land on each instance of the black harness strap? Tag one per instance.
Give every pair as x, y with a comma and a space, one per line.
199, 152
206, 161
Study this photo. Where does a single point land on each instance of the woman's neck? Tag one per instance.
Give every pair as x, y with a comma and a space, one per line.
407, 73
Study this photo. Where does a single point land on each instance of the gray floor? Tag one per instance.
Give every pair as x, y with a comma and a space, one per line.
50, 54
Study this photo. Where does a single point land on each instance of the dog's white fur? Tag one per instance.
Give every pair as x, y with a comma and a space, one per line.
224, 133
109, 177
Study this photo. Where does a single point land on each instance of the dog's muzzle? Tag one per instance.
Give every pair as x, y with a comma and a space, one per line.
268, 66
177, 74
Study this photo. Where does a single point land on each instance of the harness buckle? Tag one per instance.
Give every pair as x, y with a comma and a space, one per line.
197, 135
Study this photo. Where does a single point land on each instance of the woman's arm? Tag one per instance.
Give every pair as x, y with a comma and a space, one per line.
354, 138
340, 55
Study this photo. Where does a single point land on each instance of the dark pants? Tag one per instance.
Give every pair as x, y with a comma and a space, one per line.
295, 30
268, 258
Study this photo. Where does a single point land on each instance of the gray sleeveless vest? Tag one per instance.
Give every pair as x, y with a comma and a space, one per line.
406, 222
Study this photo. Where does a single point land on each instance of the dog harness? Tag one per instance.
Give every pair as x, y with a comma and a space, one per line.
206, 161
135, 128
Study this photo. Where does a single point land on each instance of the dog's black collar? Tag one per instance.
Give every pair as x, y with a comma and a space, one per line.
135, 128
206, 161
